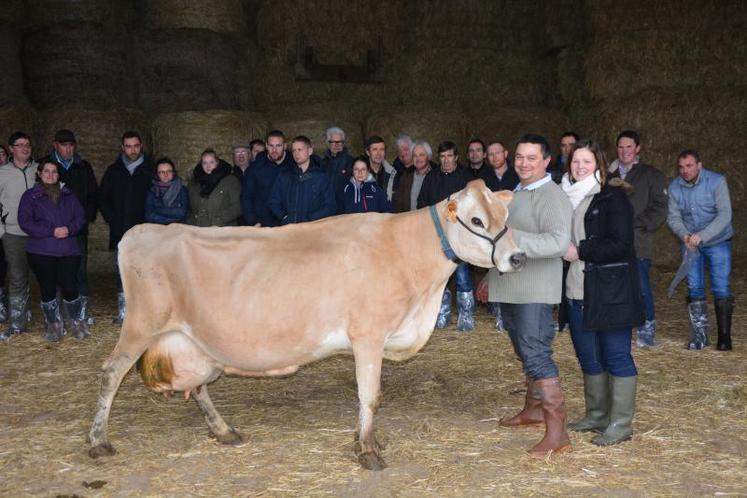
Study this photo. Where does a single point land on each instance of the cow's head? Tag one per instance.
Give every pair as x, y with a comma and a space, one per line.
476, 227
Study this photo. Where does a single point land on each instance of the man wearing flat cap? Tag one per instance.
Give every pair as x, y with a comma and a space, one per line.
77, 174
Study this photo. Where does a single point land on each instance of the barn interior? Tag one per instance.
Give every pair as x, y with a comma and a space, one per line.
192, 74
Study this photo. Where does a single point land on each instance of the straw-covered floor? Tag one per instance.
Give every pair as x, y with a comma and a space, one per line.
438, 421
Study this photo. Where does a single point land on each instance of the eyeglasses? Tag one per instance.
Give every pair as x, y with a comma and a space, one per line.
335, 142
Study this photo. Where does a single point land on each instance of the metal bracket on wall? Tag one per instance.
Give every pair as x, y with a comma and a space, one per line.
307, 68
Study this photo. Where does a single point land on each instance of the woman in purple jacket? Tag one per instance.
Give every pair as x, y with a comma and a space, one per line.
52, 216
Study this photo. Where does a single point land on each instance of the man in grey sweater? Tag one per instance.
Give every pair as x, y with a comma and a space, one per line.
540, 220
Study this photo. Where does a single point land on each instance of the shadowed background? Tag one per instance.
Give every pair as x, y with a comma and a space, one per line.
192, 74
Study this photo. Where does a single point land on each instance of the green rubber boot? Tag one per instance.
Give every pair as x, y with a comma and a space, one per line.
621, 412
597, 396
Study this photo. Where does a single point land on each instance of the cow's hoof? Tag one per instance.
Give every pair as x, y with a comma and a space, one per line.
371, 461
101, 450
231, 437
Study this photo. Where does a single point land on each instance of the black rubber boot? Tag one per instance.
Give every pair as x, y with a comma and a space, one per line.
724, 310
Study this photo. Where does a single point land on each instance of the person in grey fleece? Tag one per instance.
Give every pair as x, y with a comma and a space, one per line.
540, 222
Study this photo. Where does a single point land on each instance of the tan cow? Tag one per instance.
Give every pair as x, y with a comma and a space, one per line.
258, 301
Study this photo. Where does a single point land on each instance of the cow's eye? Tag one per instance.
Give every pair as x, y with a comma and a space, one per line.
477, 222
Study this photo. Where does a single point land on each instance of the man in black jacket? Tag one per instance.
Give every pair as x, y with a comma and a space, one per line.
437, 186
122, 197
77, 174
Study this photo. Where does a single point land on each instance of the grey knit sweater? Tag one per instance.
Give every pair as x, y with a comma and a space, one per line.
540, 220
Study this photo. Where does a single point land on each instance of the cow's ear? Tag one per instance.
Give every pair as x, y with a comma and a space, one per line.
504, 196
452, 211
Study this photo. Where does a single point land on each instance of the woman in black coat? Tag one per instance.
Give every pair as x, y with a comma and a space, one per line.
603, 296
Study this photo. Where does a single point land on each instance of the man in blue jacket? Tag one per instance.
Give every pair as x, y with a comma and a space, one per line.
303, 192
700, 215
259, 179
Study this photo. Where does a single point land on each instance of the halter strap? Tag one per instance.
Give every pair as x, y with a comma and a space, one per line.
445, 247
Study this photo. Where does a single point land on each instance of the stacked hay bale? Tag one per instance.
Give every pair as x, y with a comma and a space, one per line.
509, 124
196, 55
223, 16
16, 118
11, 75
78, 64
477, 50
183, 136
185, 69
340, 32
313, 121
421, 123
670, 73
102, 12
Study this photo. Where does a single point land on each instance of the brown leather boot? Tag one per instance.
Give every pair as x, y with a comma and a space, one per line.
531, 415
556, 438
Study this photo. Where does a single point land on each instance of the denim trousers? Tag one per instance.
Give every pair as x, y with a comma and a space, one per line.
603, 350
530, 327
644, 268
463, 278
718, 259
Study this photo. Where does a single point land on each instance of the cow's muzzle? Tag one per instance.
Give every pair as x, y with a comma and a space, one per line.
518, 260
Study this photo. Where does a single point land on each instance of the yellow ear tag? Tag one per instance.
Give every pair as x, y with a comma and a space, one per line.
452, 206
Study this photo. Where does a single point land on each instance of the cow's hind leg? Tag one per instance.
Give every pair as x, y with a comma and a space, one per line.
114, 371
223, 432
368, 360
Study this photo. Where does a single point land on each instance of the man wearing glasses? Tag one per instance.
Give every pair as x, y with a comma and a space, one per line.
337, 161
16, 177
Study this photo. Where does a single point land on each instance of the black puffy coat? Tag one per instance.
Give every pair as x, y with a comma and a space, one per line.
122, 197
612, 294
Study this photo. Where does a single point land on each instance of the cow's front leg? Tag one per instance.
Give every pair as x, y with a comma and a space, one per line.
223, 432
114, 371
368, 360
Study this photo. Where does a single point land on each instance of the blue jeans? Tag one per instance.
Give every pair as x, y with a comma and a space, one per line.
644, 268
463, 278
600, 351
718, 259
531, 329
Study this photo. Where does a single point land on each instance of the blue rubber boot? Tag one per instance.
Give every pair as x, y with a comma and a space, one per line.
466, 307
444, 313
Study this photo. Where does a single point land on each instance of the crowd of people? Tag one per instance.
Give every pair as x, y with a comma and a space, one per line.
586, 225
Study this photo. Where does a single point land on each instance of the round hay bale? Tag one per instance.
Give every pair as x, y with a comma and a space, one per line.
217, 15
314, 124
78, 65
11, 75
105, 12
98, 133
188, 69
509, 124
16, 118
435, 126
183, 136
